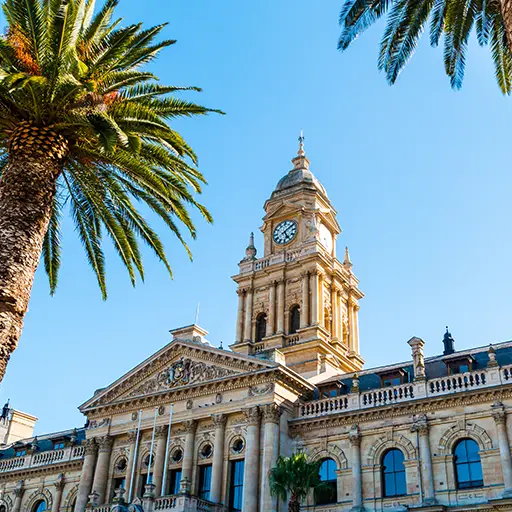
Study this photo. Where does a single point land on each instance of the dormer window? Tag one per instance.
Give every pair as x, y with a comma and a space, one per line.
394, 377
460, 364
59, 445
329, 390
20, 452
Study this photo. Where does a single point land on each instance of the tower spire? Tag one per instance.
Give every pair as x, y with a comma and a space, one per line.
346, 260
301, 160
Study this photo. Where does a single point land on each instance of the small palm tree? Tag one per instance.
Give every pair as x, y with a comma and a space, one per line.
294, 477
84, 129
453, 19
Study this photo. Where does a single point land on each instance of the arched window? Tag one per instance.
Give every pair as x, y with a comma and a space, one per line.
468, 468
328, 493
294, 319
393, 474
3, 508
39, 506
261, 326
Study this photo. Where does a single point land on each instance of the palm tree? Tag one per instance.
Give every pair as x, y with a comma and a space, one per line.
294, 476
84, 129
453, 19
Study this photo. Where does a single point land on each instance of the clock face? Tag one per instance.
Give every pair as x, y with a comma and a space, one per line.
325, 237
285, 232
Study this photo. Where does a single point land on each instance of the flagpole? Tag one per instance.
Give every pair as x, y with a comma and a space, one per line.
148, 479
164, 479
134, 463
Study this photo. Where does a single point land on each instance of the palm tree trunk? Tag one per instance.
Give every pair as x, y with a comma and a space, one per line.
293, 504
27, 190
506, 11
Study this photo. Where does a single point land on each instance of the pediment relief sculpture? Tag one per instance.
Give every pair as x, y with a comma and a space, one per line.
182, 372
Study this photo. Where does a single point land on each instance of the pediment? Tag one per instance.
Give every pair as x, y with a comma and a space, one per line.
180, 365
284, 208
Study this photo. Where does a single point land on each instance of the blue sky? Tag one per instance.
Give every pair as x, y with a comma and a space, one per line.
420, 176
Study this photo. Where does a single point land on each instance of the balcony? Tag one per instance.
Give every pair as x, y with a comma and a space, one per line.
38, 459
419, 390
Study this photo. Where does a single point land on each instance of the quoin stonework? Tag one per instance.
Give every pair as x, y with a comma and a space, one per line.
197, 428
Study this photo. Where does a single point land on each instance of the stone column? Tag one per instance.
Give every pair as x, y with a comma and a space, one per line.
132, 462
248, 316
101, 474
219, 420
500, 417
18, 496
356, 328
188, 455
271, 415
304, 311
158, 468
335, 313
240, 316
271, 309
427, 471
357, 482
280, 307
351, 326
59, 486
320, 305
85, 485
313, 281
252, 461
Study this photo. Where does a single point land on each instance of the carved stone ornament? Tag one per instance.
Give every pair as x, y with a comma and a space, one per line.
260, 390
105, 443
271, 413
18, 490
252, 415
190, 404
499, 414
161, 431
99, 423
135, 415
90, 446
59, 483
420, 425
182, 372
218, 398
354, 435
161, 410
190, 426
219, 420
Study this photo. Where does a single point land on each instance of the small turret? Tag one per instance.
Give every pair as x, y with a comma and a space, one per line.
346, 260
250, 251
448, 342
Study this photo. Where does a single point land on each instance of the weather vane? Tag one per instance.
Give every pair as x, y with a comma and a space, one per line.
301, 138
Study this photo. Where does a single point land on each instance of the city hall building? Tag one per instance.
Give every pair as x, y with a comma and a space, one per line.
197, 428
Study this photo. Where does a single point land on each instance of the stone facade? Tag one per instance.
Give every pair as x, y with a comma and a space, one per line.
203, 426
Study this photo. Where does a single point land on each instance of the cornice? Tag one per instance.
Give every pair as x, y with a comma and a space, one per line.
412, 407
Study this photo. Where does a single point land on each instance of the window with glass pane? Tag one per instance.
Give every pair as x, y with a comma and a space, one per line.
236, 486
174, 481
119, 482
294, 319
468, 468
393, 473
39, 506
328, 493
144, 479
205, 479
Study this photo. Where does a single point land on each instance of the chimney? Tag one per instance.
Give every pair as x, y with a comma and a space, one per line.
190, 333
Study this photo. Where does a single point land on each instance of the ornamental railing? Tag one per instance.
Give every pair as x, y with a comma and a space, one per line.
38, 459
421, 389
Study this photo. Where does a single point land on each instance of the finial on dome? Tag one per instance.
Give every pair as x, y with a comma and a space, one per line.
346, 260
250, 251
301, 151
301, 160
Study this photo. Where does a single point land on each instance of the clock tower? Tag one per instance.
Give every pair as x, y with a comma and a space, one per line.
298, 304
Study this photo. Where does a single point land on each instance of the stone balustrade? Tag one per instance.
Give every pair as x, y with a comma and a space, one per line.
174, 503
262, 263
38, 459
431, 388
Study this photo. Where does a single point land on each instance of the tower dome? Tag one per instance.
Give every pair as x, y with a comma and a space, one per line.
300, 175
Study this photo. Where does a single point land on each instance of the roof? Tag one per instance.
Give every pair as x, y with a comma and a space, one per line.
44, 442
298, 177
435, 366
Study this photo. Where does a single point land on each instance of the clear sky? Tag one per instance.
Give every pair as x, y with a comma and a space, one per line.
420, 176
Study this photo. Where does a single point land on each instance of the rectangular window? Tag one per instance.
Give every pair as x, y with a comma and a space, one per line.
205, 479
174, 481
21, 453
58, 446
236, 485
142, 483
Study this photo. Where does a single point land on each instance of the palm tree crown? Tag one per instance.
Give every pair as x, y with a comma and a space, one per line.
72, 90
294, 477
453, 19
